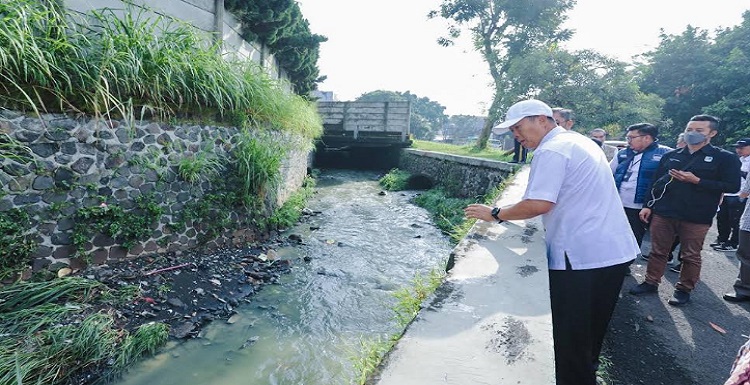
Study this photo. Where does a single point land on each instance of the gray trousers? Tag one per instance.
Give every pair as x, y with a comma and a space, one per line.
742, 285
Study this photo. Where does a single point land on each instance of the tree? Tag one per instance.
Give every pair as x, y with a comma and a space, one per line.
279, 24
731, 78
461, 127
680, 70
427, 116
503, 30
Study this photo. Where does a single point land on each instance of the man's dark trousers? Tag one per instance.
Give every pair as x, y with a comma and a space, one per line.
728, 219
575, 296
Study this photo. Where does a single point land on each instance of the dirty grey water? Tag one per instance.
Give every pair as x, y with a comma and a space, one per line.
307, 329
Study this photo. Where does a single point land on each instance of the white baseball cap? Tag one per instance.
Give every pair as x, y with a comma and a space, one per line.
523, 109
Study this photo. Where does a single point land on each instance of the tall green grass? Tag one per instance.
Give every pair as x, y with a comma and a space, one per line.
126, 64
409, 301
395, 180
49, 333
258, 160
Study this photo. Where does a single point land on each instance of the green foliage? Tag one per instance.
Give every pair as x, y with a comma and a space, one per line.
39, 344
395, 180
13, 149
199, 166
289, 213
279, 24
210, 214
447, 212
410, 299
502, 31
426, 118
466, 150
125, 227
370, 352
600, 90
26, 295
258, 160
15, 245
679, 72
145, 341
120, 65
695, 75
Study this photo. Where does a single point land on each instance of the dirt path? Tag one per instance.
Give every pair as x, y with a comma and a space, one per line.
679, 346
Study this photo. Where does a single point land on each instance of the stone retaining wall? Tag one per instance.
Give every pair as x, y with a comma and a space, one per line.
462, 176
82, 162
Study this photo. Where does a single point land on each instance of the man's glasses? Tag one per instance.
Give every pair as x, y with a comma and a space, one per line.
630, 138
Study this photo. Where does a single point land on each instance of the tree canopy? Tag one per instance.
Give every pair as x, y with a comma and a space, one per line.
695, 74
503, 30
279, 24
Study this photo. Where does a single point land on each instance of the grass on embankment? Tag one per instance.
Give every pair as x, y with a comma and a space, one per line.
51, 331
465, 150
409, 299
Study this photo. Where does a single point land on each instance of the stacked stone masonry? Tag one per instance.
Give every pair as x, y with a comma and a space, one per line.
81, 162
462, 176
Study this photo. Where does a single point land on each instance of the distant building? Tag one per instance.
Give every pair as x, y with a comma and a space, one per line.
324, 96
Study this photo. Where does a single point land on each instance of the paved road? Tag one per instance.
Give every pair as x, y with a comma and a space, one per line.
679, 346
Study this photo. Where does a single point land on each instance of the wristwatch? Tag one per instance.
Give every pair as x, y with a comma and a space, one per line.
495, 214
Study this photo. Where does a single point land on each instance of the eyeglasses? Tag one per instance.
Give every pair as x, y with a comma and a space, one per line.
630, 138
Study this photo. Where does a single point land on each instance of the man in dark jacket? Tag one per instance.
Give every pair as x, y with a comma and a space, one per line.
633, 168
684, 194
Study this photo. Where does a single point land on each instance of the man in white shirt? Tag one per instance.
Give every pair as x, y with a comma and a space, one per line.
589, 242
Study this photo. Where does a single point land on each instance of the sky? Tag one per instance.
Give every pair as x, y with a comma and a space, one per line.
391, 45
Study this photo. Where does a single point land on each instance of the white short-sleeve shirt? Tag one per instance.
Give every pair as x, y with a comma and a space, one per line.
587, 222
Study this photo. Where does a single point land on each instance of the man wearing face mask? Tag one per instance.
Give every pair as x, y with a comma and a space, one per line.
685, 191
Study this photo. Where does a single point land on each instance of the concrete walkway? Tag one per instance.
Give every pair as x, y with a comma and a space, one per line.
490, 321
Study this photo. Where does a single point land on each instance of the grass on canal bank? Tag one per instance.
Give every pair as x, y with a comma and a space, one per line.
465, 150
447, 211
409, 301
50, 332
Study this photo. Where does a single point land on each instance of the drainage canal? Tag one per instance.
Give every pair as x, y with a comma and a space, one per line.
360, 249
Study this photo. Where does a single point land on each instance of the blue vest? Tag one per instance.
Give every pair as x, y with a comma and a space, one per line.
649, 162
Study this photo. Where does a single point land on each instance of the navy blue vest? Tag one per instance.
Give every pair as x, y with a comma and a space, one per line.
649, 163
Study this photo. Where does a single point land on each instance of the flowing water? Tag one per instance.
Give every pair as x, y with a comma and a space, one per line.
307, 329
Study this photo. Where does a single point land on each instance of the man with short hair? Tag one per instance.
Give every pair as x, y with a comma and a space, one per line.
732, 205
600, 136
633, 168
563, 117
682, 201
571, 187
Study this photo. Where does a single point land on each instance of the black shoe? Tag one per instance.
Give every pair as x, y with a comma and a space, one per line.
734, 297
716, 243
643, 288
645, 256
679, 298
676, 268
726, 247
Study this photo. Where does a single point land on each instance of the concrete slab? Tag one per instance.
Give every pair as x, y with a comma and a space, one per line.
490, 321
